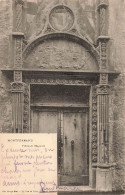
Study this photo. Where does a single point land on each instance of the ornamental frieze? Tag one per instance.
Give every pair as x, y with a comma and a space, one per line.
94, 125
60, 82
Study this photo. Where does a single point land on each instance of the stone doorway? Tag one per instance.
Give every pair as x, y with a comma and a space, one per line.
54, 109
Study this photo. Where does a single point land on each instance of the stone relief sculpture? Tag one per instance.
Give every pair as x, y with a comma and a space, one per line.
60, 54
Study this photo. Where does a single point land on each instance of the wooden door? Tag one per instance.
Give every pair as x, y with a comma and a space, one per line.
73, 159
71, 128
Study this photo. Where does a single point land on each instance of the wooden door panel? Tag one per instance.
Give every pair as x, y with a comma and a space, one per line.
45, 121
75, 169
35, 121
48, 122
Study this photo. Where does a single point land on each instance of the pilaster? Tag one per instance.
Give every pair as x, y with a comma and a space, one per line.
103, 170
20, 91
17, 106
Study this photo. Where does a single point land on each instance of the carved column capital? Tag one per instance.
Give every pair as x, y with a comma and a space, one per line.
17, 87
103, 89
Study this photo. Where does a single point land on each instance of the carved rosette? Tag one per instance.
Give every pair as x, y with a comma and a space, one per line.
26, 109
94, 125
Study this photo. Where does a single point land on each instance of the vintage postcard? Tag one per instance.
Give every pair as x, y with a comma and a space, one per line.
62, 91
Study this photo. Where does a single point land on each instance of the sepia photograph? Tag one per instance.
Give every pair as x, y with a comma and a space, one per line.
62, 97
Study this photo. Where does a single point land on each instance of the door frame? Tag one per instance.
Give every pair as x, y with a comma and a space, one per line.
91, 87
67, 80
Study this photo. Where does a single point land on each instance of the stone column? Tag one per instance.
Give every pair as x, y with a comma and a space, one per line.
18, 86
103, 170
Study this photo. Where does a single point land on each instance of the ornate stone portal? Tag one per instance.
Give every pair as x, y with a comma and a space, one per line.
78, 63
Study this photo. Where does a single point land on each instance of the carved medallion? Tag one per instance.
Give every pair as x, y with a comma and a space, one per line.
61, 18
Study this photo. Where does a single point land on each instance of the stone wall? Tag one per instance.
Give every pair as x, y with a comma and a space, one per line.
5, 48
117, 59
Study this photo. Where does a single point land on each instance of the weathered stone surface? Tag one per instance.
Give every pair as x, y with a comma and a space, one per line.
5, 31
117, 59
61, 55
84, 14
5, 105
6, 14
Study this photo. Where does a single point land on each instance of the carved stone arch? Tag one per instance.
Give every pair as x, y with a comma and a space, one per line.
88, 50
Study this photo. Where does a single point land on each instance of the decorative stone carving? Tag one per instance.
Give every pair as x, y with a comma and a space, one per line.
20, 2
94, 125
74, 31
103, 89
103, 55
19, 6
48, 29
59, 81
103, 3
61, 18
103, 78
26, 109
62, 36
18, 51
102, 21
61, 55
103, 38
17, 86
17, 76
102, 8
